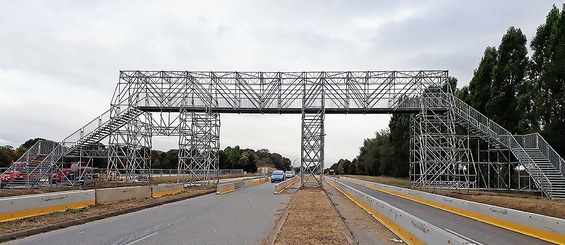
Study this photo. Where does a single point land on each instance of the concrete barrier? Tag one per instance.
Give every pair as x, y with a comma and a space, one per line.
536, 225
280, 187
166, 189
225, 188
411, 229
232, 186
18, 207
109, 195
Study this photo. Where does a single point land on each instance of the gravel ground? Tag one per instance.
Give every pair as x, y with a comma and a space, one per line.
312, 219
364, 228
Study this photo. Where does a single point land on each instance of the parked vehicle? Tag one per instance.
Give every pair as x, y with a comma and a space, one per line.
19, 171
277, 176
289, 174
78, 173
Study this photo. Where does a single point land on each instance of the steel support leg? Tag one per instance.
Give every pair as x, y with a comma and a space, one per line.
199, 144
129, 151
312, 154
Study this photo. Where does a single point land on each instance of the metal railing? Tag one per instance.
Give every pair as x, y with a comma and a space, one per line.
536, 141
479, 121
70, 143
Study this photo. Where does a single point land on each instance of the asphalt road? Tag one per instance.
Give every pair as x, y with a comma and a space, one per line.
245, 216
469, 228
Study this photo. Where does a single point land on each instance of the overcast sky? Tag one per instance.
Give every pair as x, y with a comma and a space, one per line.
59, 60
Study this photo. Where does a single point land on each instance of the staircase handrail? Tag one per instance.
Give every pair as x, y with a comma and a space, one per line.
482, 122
535, 140
532, 168
70, 142
36, 149
498, 132
88, 128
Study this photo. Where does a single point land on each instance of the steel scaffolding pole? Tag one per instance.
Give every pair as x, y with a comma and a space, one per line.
199, 145
312, 145
312, 153
129, 150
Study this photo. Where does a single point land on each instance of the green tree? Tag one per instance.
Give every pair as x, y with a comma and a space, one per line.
547, 73
29, 143
5, 158
480, 85
400, 142
508, 74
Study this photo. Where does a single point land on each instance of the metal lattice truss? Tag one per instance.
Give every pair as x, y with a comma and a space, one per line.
452, 145
312, 153
186, 104
129, 150
199, 143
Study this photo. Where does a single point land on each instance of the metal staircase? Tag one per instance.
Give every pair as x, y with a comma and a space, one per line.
548, 161
542, 163
43, 164
22, 172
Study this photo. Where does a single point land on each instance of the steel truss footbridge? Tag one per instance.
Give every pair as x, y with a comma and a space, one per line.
452, 145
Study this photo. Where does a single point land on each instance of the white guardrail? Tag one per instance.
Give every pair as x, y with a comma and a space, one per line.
536, 225
411, 229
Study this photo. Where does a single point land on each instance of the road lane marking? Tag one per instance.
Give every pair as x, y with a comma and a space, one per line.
462, 236
141, 238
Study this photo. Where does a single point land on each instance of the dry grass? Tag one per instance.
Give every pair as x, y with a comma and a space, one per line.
311, 220
93, 211
520, 201
524, 202
400, 182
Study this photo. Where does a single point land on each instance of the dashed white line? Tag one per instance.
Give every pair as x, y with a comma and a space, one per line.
464, 237
142, 238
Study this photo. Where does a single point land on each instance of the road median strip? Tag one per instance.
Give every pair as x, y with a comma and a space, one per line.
310, 219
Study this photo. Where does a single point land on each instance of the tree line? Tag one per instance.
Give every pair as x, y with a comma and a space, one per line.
522, 93
229, 158
9, 154
385, 154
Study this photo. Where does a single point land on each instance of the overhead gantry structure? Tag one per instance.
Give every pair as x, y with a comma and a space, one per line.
452, 145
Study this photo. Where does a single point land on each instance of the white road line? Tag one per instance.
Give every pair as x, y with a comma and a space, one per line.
141, 238
464, 237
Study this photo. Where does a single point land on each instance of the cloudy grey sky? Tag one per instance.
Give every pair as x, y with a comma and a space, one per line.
59, 60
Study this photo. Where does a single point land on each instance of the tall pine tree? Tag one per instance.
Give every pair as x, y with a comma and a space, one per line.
479, 87
508, 74
547, 72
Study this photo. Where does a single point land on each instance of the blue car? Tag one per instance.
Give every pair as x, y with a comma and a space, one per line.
277, 176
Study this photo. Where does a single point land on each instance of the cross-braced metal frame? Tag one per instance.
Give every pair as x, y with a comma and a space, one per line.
199, 143
129, 150
452, 145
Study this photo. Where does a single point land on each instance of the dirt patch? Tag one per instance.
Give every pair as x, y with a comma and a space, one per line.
311, 219
9, 227
364, 227
520, 201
